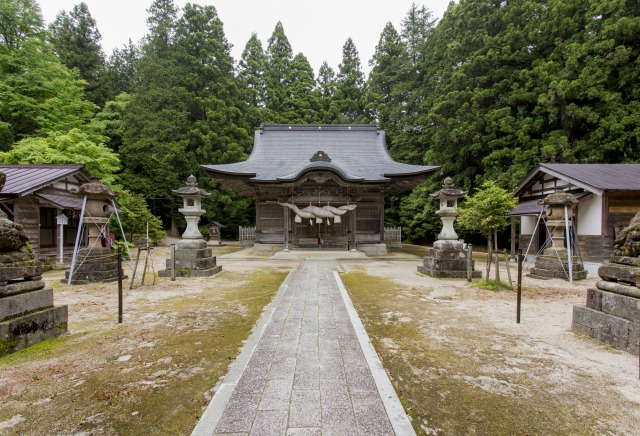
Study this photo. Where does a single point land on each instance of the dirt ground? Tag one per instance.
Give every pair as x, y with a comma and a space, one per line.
153, 374
462, 364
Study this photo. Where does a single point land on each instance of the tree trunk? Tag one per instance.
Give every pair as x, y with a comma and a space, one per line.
174, 228
489, 258
495, 238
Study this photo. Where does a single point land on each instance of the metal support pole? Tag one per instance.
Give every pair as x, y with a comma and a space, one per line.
75, 248
119, 286
173, 262
135, 268
519, 302
469, 262
566, 230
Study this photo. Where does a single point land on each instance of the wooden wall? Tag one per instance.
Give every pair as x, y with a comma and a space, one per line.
27, 213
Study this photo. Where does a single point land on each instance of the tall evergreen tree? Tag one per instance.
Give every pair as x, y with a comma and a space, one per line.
253, 92
326, 88
279, 58
387, 82
121, 69
155, 151
301, 102
350, 87
76, 40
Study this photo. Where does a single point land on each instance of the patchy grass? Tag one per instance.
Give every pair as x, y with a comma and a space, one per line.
457, 375
492, 285
148, 375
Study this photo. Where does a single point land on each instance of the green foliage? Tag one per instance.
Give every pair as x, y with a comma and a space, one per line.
253, 91
492, 285
134, 217
485, 211
279, 58
110, 121
73, 147
121, 69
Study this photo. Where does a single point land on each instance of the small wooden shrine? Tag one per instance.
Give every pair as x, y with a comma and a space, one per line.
320, 185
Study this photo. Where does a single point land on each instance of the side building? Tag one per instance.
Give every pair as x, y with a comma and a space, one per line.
296, 168
34, 196
608, 198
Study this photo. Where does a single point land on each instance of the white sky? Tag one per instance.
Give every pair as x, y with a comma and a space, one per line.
317, 29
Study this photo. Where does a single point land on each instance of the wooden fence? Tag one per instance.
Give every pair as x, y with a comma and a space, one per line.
247, 235
393, 237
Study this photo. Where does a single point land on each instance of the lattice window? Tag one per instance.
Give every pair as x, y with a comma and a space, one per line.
271, 217
368, 218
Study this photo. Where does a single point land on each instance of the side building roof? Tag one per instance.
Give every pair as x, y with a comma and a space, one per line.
24, 179
595, 178
283, 153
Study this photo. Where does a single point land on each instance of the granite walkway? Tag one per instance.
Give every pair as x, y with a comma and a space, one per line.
307, 369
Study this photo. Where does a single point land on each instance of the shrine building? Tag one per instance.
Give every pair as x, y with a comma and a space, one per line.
320, 185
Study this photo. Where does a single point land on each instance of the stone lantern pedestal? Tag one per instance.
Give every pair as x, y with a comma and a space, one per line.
558, 261
192, 257
447, 258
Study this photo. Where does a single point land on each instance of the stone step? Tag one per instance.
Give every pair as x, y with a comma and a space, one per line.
20, 287
614, 304
15, 305
191, 272
19, 270
20, 332
607, 328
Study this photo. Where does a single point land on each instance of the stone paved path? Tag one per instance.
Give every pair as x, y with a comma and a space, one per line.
307, 369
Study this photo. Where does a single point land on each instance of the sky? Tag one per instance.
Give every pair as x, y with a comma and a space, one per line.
317, 29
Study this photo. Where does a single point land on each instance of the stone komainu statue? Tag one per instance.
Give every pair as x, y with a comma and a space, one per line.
627, 244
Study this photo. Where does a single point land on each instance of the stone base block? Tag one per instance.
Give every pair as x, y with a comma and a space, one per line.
15, 305
192, 272
618, 288
552, 267
20, 270
20, 287
192, 244
614, 304
199, 253
607, 328
206, 263
620, 273
444, 274
84, 277
373, 249
20, 332
447, 261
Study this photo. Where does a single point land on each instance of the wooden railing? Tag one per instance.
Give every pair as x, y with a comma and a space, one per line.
393, 237
247, 235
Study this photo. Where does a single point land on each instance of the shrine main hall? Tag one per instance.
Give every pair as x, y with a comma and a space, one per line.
320, 185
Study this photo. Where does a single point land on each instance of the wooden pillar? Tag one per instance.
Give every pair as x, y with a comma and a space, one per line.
381, 218
286, 228
257, 232
513, 237
353, 229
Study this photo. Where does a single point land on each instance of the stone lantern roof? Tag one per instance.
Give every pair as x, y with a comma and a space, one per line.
448, 191
96, 190
191, 189
559, 198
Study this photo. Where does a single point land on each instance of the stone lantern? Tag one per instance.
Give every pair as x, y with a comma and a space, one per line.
192, 209
557, 261
192, 257
94, 262
448, 197
448, 258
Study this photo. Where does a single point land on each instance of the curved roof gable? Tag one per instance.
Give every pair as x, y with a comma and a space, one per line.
285, 152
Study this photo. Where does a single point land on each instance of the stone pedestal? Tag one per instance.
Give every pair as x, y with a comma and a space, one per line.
611, 315
193, 259
555, 265
612, 312
94, 265
27, 315
447, 259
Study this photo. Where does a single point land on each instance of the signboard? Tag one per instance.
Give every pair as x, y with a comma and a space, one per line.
62, 219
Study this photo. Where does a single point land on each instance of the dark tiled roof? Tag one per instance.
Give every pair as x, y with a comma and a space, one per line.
25, 179
73, 202
593, 177
281, 153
